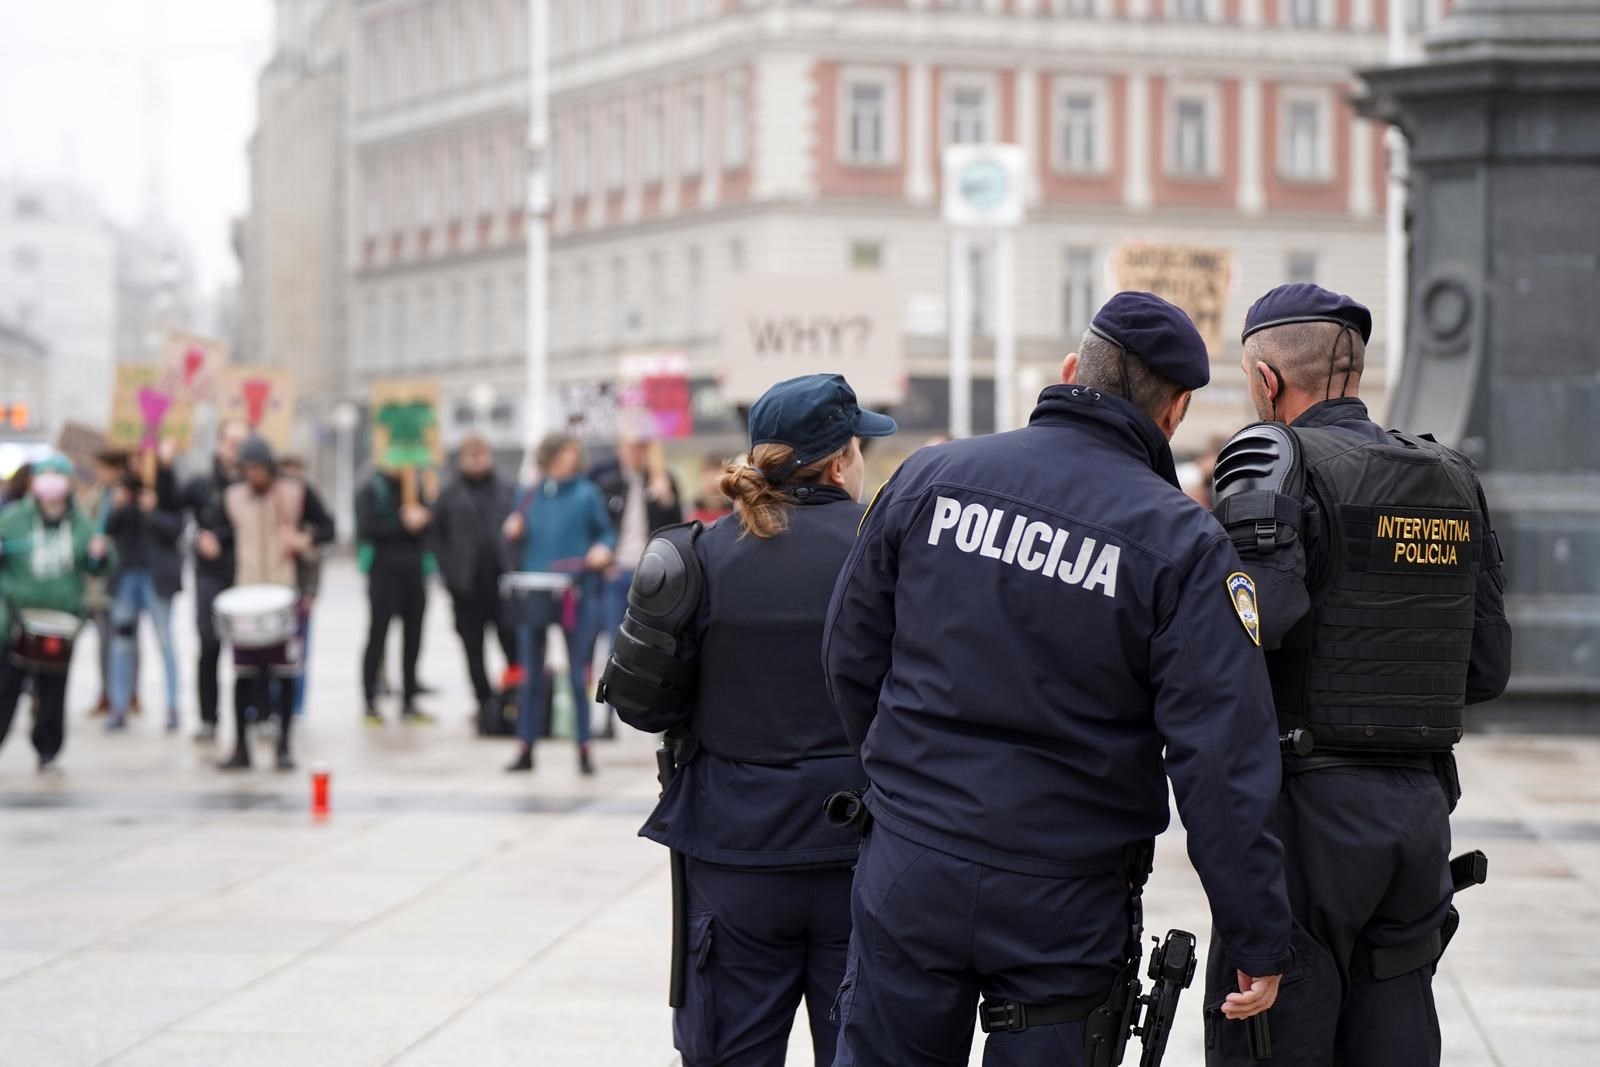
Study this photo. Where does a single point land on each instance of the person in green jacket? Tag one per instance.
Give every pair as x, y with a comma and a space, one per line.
47, 548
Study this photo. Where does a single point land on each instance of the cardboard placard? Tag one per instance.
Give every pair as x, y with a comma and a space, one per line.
146, 408
405, 424
81, 443
1195, 277
197, 364
264, 397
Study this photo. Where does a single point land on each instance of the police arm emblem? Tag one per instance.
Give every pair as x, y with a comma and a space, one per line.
1242, 595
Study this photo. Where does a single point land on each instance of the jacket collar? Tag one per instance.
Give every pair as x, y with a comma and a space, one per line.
1340, 410
1110, 418
815, 494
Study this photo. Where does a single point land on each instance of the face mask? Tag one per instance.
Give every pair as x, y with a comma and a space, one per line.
51, 488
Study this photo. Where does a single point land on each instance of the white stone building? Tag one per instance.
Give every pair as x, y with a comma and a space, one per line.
58, 284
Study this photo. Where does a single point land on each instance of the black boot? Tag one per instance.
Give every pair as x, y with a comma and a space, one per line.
523, 762
239, 761
585, 765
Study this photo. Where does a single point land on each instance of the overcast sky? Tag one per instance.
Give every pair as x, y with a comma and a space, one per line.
78, 79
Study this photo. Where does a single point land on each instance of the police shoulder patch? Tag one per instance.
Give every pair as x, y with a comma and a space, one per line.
1242, 595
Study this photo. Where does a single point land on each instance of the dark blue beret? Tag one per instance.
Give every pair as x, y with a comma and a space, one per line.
815, 415
1157, 332
1304, 302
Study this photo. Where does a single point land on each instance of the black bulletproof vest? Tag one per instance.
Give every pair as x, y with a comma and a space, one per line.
1380, 660
761, 697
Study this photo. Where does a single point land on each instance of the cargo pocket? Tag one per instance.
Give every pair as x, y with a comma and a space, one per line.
694, 1025
841, 1000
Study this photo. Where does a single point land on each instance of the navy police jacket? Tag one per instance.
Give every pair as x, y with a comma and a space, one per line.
758, 633
1032, 627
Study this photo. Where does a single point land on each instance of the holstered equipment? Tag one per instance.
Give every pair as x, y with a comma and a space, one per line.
667, 764
647, 671
1113, 1017
847, 810
1378, 963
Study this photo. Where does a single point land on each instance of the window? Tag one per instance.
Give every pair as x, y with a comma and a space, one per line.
1077, 291
397, 328
693, 272
1081, 126
655, 138
28, 207
692, 141
866, 127
967, 118
372, 216
658, 276
1189, 10
866, 255
978, 275
736, 256
582, 153
1189, 151
488, 179
1074, 7
486, 317
516, 175
427, 193
1300, 266
736, 121
616, 148
1305, 12
1301, 148
456, 206
619, 296
456, 343
25, 257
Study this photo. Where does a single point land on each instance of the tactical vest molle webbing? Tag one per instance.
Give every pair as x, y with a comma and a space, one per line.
761, 696
1380, 660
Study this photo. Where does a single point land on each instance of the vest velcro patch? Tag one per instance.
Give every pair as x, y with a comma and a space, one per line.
1421, 541
1242, 595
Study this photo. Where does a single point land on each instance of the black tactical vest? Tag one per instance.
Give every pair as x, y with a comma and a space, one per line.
1380, 660
761, 697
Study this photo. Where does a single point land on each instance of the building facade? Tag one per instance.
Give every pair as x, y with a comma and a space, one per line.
58, 259
292, 301
698, 141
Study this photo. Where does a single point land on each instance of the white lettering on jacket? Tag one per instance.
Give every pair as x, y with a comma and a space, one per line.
1034, 546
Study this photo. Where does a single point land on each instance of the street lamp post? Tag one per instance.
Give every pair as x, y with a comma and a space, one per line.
346, 417
537, 228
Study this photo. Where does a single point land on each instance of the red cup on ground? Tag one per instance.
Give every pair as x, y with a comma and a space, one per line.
319, 791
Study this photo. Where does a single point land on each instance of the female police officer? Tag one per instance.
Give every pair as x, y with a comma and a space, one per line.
738, 610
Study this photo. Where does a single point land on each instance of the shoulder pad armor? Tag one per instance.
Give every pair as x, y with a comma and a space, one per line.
1263, 455
666, 584
648, 672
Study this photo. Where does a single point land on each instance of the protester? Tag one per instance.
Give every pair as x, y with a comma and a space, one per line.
94, 502
47, 548
16, 486
397, 535
213, 561
710, 505
145, 522
272, 535
560, 525
467, 538
641, 496
319, 522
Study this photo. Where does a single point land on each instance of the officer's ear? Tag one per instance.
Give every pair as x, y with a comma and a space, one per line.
1172, 416
1069, 369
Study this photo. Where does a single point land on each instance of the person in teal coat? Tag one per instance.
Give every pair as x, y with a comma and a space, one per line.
560, 525
47, 548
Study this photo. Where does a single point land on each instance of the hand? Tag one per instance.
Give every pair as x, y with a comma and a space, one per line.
1255, 996
598, 558
97, 547
167, 451
148, 500
207, 546
415, 518
660, 490
295, 542
514, 527
121, 496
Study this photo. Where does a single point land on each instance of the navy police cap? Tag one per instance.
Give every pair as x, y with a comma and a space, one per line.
815, 415
1159, 333
1304, 302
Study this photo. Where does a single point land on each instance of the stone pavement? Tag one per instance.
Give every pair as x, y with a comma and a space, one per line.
154, 912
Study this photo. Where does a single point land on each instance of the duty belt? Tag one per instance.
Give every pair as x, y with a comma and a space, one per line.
1411, 760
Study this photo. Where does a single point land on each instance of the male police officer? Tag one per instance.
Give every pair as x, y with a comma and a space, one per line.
1026, 619
1381, 610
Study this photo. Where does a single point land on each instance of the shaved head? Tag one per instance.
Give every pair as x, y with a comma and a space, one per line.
1317, 358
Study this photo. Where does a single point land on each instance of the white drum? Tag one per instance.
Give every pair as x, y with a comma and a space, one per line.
256, 616
531, 595
42, 639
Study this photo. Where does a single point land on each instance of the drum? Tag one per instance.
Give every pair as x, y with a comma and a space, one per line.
533, 594
256, 616
42, 639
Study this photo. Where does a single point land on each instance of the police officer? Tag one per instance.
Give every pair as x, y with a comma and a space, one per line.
1025, 621
1381, 612
738, 610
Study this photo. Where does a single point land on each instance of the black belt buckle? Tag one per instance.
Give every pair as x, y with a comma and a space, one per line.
1008, 1015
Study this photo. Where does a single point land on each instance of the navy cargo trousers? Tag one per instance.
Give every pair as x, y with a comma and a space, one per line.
932, 931
1367, 854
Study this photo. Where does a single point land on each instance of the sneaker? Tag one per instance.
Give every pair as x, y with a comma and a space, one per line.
101, 709
285, 762
417, 716
523, 762
48, 766
172, 721
206, 734
585, 764
239, 761
134, 706
372, 718
116, 723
